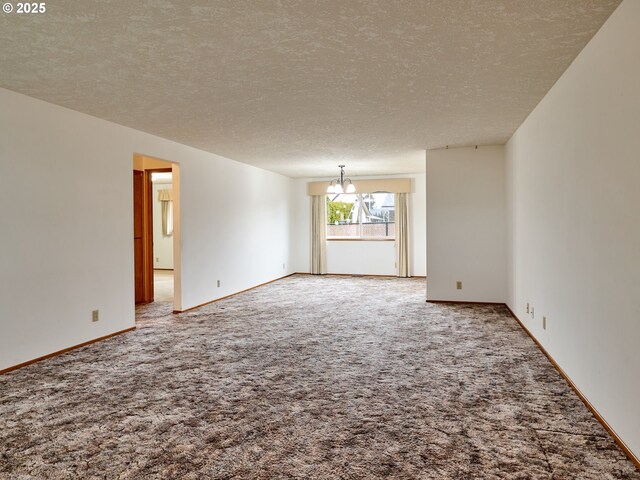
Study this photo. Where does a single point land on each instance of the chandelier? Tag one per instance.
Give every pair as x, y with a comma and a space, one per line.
338, 185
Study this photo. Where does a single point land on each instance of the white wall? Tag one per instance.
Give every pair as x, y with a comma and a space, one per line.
67, 177
162, 245
466, 231
359, 257
574, 211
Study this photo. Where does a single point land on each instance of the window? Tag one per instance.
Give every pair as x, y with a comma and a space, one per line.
366, 216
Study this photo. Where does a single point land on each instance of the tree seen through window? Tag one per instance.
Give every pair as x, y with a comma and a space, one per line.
361, 215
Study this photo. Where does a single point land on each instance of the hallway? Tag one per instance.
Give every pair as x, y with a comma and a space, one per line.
163, 285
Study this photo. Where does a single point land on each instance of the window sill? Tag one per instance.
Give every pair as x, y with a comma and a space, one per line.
360, 239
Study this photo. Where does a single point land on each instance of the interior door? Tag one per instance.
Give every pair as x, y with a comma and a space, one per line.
138, 234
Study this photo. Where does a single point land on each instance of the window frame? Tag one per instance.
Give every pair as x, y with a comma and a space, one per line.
360, 238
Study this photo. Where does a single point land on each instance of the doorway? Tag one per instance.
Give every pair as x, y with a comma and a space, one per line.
156, 231
162, 230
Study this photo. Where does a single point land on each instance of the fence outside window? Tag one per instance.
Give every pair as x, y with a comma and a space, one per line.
369, 230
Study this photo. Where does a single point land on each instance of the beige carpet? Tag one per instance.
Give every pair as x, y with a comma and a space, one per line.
163, 285
308, 377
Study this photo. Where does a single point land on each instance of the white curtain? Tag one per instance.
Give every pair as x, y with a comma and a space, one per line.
402, 234
166, 201
318, 235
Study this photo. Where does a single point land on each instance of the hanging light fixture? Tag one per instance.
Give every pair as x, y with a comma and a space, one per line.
341, 185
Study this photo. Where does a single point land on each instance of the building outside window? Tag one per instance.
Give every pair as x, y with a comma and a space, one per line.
364, 216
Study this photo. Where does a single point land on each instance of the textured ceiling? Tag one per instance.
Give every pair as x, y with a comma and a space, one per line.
300, 86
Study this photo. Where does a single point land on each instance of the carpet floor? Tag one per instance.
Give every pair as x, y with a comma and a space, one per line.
307, 377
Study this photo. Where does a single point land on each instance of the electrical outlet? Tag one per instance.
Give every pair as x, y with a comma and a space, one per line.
544, 323
218, 283
95, 315
459, 285
527, 308
533, 314
157, 259
284, 266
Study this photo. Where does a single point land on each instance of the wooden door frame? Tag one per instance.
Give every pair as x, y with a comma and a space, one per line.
147, 232
138, 234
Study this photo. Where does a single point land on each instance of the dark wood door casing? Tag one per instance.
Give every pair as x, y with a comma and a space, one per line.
138, 230
143, 236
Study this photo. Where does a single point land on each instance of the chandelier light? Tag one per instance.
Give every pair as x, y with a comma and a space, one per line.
341, 185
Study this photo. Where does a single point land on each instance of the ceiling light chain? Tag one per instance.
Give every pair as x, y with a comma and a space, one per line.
338, 185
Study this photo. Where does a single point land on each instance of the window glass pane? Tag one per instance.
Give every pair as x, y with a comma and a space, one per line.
342, 215
379, 214
361, 215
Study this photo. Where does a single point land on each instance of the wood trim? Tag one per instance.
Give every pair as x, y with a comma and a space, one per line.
138, 236
232, 295
458, 302
360, 239
623, 446
357, 275
144, 292
148, 238
65, 350
361, 275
